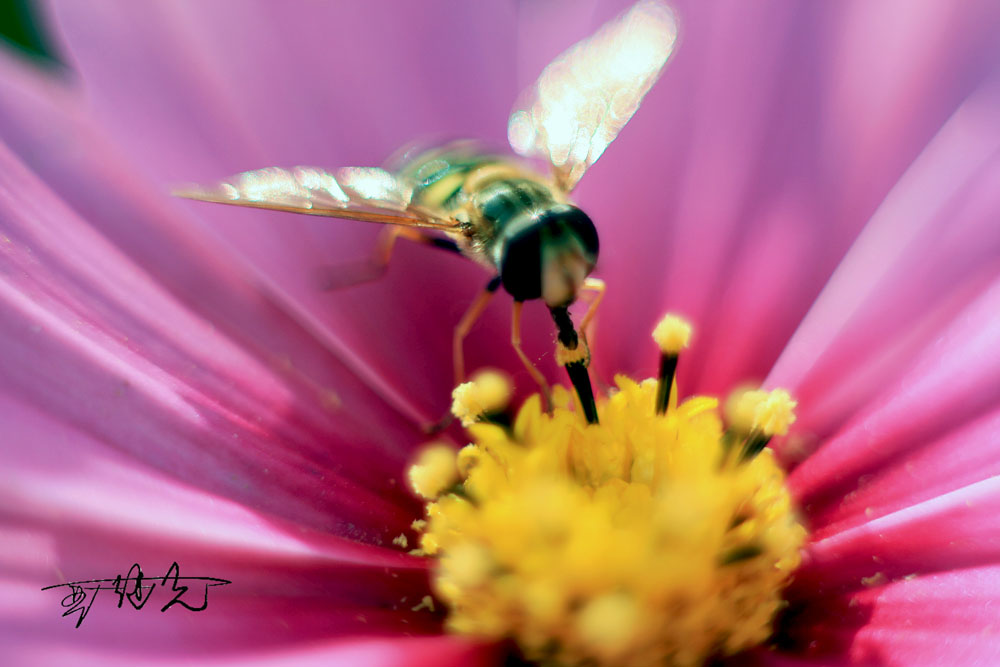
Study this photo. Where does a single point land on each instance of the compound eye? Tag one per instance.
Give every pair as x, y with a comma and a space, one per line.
521, 264
549, 256
581, 227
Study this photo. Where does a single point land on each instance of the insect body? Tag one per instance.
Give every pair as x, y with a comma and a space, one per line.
496, 210
513, 221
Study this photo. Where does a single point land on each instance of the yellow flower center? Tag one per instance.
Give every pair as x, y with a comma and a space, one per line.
654, 537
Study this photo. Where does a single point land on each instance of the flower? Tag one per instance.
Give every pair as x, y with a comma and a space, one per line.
815, 186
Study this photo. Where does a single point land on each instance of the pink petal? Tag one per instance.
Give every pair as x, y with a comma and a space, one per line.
405, 652
46, 129
75, 510
958, 529
954, 380
382, 652
738, 216
931, 248
92, 338
925, 471
936, 619
303, 83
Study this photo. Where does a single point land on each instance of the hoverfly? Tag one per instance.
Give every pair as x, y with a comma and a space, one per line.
497, 210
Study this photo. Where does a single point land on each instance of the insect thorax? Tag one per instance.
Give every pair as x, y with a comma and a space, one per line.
516, 221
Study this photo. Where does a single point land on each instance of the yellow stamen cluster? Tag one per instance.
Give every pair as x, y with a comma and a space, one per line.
644, 540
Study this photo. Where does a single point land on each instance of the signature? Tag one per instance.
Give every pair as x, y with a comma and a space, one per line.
137, 589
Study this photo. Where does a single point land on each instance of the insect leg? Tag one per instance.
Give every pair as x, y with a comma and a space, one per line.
475, 309
515, 340
349, 274
595, 285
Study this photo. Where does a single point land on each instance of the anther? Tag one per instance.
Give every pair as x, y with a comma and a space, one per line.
485, 396
775, 413
672, 334
741, 409
434, 472
761, 415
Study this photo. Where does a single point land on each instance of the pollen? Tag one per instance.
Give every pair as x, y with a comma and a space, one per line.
672, 334
434, 471
487, 393
775, 413
579, 354
649, 538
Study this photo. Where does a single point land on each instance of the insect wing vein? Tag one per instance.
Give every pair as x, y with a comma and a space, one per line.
584, 98
370, 194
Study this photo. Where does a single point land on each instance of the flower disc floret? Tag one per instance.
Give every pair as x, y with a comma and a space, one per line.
488, 392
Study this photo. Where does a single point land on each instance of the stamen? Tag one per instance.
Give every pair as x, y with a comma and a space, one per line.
741, 408
775, 413
434, 471
672, 334
665, 386
758, 416
486, 395
755, 444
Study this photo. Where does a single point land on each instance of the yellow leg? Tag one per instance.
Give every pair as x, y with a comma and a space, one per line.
353, 273
387, 241
515, 340
595, 285
475, 309
472, 314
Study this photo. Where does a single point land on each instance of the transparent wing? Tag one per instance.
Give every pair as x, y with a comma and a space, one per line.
585, 97
354, 193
